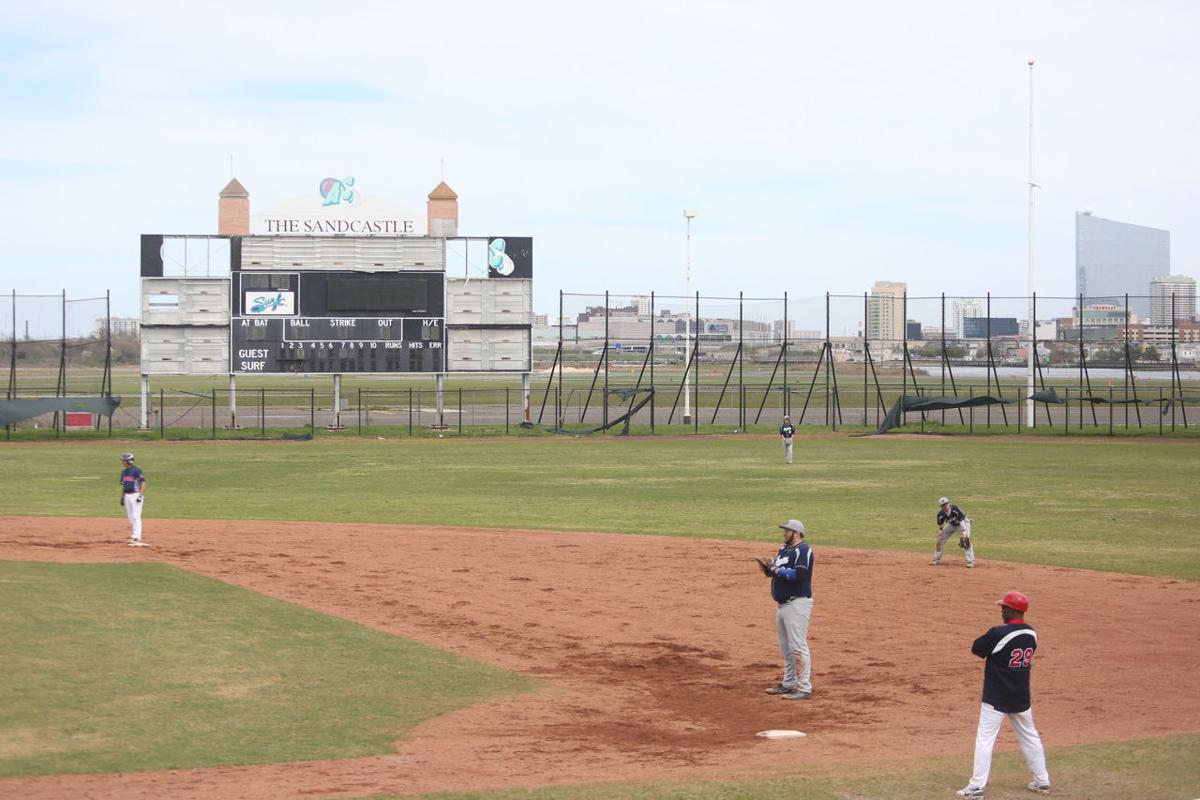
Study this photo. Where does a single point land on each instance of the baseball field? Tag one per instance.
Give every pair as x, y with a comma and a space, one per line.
582, 618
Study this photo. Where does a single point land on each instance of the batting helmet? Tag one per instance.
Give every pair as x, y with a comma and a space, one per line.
943, 501
1015, 601
127, 456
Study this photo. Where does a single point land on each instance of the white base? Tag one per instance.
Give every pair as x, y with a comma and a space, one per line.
779, 734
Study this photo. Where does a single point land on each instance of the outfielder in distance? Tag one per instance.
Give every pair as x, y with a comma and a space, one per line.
133, 486
950, 520
786, 432
1007, 651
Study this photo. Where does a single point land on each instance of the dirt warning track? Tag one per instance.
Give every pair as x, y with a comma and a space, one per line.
654, 651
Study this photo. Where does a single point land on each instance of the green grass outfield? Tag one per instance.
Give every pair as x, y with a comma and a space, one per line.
119, 667
1127, 505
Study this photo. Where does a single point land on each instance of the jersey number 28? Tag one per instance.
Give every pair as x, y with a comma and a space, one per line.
1021, 658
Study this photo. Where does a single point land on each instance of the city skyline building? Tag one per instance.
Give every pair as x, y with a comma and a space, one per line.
1161, 290
965, 308
1114, 258
885, 311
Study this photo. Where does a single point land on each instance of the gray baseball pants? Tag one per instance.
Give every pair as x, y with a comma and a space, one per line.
791, 625
951, 529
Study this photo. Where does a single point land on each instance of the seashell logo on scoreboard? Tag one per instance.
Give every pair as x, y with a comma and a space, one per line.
270, 303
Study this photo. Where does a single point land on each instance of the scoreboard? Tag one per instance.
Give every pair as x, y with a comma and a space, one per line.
337, 321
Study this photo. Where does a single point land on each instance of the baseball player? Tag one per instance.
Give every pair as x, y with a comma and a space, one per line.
1007, 651
791, 588
950, 520
786, 432
133, 487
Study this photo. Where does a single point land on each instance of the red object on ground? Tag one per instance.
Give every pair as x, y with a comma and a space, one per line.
78, 419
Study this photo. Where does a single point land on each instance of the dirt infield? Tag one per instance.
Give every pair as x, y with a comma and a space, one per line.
654, 652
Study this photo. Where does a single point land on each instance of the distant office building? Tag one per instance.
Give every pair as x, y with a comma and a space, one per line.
1113, 259
965, 308
121, 326
885, 311
912, 330
983, 327
540, 320
642, 303
1161, 290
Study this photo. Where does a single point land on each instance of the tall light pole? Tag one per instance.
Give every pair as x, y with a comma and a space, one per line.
1029, 404
688, 214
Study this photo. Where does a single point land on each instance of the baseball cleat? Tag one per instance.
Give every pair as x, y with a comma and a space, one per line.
935, 563
1040, 788
970, 792
780, 689
970, 566
796, 694
138, 543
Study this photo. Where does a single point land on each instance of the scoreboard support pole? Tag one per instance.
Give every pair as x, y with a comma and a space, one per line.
441, 399
233, 426
335, 423
144, 422
525, 395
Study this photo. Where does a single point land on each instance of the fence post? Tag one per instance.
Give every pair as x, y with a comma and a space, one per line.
161, 415
213, 414
262, 411
1110, 410
358, 410
1161, 408
506, 411
410, 411
971, 428
312, 411
460, 411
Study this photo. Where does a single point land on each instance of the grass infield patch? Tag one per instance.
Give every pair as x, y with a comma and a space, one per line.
123, 667
1162, 769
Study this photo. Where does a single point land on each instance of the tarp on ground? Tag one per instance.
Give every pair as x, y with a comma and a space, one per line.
907, 403
12, 411
623, 420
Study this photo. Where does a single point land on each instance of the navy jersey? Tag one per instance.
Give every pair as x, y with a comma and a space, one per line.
955, 516
787, 430
132, 479
793, 578
1008, 650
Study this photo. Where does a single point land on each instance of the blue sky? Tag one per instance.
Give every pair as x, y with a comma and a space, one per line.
824, 145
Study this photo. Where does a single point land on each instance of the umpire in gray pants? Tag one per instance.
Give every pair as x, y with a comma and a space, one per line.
791, 588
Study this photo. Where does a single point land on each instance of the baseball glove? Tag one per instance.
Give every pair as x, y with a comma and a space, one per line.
964, 540
765, 565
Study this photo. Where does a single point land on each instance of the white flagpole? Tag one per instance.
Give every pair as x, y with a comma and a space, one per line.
1029, 404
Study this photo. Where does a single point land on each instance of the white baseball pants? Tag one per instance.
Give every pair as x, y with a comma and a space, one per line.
1027, 736
787, 451
133, 511
791, 626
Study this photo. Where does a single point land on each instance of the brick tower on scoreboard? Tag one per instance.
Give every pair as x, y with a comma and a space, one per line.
233, 210
442, 213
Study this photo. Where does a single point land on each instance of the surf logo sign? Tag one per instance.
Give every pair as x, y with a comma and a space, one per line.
335, 192
510, 257
270, 303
